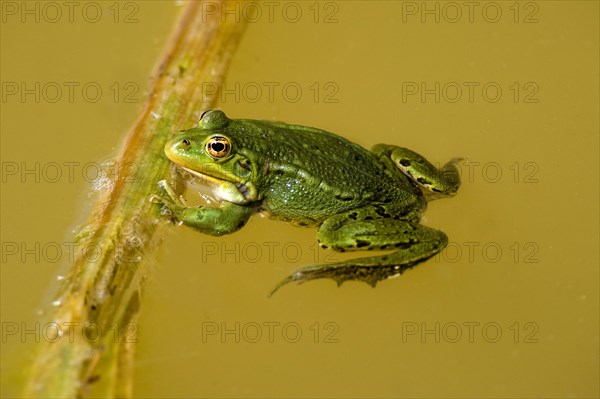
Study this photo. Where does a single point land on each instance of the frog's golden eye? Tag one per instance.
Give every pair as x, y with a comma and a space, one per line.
218, 147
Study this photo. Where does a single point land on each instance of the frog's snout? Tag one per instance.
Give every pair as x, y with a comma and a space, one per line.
177, 147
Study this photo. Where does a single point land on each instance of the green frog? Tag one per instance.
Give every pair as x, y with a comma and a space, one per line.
358, 199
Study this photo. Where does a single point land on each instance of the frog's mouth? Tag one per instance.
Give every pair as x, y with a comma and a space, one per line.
231, 191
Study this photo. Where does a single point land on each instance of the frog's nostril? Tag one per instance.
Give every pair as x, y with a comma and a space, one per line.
185, 142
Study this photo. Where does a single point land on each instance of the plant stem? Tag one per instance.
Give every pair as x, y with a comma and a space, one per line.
98, 303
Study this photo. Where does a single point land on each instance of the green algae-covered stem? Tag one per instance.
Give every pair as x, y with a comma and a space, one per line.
98, 303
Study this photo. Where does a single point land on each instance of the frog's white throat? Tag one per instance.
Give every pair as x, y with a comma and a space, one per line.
238, 193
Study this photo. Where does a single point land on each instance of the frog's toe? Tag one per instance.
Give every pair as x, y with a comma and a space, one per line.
155, 199
300, 276
162, 184
283, 282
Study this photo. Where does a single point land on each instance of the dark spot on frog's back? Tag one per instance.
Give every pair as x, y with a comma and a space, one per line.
405, 162
381, 212
362, 243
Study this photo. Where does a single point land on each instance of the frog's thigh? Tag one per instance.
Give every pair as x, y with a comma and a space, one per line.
215, 221
445, 181
343, 233
413, 243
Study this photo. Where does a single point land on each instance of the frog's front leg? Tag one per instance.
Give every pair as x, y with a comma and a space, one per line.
225, 219
412, 242
442, 182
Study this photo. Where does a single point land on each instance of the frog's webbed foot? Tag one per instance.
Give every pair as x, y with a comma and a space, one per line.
342, 272
443, 182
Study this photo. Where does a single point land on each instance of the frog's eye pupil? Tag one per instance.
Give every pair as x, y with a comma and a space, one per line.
218, 147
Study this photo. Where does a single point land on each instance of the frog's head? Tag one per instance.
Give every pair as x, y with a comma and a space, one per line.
209, 153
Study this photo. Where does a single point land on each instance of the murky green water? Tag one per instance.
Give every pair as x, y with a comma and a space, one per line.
510, 309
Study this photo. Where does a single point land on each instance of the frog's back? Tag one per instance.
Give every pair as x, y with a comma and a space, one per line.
313, 173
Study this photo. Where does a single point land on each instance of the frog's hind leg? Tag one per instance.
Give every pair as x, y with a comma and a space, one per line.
413, 243
442, 182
